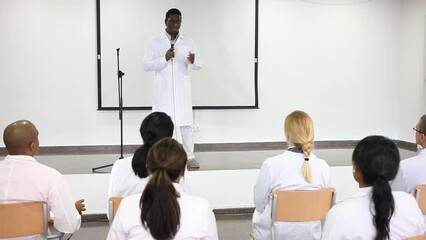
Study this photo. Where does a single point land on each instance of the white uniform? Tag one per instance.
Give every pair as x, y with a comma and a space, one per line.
22, 178
412, 172
353, 219
284, 172
124, 182
197, 220
172, 85
177, 101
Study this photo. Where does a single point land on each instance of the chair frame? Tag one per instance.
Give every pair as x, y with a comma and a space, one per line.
300, 207
113, 204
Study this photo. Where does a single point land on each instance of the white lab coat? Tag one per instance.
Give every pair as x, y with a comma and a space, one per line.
353, 219
172, 86
412, 172
124, 182
284, 172
22, 178
197, 220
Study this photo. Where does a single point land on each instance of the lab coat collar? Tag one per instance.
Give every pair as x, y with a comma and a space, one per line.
366, 191
20, 158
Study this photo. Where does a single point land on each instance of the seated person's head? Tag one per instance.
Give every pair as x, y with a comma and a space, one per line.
421, 132
375, 159
154, 127
375, 163
160, 210
21, 138
299, 130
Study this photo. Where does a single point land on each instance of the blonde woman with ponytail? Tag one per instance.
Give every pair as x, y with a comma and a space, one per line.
296, 169
164, 211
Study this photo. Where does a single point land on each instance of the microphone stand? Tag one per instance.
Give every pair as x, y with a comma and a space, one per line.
120, 75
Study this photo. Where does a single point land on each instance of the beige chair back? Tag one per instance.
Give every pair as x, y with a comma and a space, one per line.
420, 237
23, 219
420, 195
301, 205
114, 203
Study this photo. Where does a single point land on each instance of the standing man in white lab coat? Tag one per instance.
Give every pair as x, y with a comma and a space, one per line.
169, 55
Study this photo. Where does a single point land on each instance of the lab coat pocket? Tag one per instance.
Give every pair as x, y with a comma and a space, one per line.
182, 53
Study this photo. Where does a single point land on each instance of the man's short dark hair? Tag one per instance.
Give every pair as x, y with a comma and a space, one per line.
173, 11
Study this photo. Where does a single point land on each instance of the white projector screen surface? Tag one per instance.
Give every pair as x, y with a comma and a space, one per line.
223, 30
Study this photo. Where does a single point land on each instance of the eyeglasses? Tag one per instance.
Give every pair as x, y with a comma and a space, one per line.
415, 129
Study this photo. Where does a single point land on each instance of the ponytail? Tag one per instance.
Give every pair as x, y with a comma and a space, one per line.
160, 210
384, 206
306, 168
139, 161
377, 158
299, 126
159, 205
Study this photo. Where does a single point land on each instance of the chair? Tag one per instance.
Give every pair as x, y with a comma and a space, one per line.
420, 237
113, 204
20, 219
300, 205
420, 195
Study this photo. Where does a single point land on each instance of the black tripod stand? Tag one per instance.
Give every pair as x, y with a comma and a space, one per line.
120, 75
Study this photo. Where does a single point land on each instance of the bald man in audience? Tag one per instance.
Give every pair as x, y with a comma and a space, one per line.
412, 171
22, 178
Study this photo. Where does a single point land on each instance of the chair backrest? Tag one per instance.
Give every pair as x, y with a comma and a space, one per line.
420, 237
113, 204
20, 219
420, 195
301, 205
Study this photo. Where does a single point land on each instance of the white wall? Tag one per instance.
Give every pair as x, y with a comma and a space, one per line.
222, 188
342, 64
411, 84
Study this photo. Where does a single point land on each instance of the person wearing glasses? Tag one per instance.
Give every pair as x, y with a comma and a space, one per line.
412, 171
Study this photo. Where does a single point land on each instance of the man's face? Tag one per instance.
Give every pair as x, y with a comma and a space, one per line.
173, 24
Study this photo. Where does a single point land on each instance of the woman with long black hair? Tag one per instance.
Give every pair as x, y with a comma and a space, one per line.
375, 212
129, 175
163, 211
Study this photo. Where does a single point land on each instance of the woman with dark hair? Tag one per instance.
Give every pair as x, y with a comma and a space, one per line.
375, 212
129, 175
164, 211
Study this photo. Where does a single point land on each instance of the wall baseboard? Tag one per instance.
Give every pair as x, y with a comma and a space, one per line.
102, 217
202, 147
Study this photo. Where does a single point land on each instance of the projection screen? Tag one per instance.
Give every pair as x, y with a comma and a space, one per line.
225, 32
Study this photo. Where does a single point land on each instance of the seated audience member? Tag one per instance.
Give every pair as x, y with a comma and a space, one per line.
163, 210
23, 179
412, 171
129, 175
295, 169
375, 212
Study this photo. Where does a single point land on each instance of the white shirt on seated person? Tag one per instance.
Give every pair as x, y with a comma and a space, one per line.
353, 219
197, 220
22, 179
124, 182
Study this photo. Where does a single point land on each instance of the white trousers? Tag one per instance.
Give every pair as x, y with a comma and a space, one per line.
183, 134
